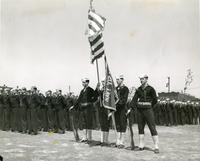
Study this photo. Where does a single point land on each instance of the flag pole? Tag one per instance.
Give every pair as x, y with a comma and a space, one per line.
97, 66
91, 7
112, 114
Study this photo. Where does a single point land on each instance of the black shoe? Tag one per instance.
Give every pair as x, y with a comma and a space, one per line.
156, 151
88, 142
83, 140
121, 146
99, 143
138, 149
105, 144
61, 131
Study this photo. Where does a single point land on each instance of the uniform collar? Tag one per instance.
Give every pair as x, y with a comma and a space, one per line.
84, 89
144, 86
122, 85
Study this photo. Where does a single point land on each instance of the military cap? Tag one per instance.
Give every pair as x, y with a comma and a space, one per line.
33, 88
103, 79
58, 90
120, 77
143, 76
85, 80
172, 101
8, 88
24, 88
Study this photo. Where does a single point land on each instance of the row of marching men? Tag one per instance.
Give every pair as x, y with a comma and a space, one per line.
172, 113
28, 111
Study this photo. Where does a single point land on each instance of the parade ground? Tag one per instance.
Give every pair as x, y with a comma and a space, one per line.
176, 143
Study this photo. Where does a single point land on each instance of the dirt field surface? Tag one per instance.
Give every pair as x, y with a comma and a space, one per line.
179, 143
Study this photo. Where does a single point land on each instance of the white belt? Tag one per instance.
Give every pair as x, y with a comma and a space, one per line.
144, 103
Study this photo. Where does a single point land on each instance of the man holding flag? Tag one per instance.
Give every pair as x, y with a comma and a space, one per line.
120, 114
104, 119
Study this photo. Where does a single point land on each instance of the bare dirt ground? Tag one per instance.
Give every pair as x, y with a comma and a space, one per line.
179, 143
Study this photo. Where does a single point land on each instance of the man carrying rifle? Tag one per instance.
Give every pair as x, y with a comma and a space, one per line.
144, 99
84, 104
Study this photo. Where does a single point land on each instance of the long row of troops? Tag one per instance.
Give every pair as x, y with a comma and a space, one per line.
16, 107
31, 111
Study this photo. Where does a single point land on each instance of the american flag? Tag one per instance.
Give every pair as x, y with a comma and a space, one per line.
96, 24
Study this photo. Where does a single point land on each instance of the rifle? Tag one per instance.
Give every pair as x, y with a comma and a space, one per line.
129, 121
72, 114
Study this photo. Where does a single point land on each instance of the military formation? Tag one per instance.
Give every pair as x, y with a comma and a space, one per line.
29, 111
173, 113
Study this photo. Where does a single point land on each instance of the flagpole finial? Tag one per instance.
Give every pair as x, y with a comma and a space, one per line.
91, 7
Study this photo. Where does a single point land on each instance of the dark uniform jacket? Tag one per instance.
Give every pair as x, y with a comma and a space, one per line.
6, 101
147, 94
86, 98
34, 101
122, 92
24, 100
60, 102
49, 102
1, 101
14, 100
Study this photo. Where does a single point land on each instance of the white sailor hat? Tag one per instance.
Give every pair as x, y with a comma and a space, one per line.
143, 76
58, 90
33, 88
172, 101
85, 80
24, 88
120, 77
103, 79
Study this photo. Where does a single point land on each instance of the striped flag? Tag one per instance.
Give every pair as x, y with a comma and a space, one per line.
96, 25
97, 47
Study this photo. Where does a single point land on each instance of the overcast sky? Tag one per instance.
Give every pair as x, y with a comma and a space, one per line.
43, 43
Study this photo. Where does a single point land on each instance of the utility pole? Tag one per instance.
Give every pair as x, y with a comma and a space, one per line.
69, 89
168, 84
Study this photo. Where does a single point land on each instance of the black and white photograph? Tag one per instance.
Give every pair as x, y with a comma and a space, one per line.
99, 80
